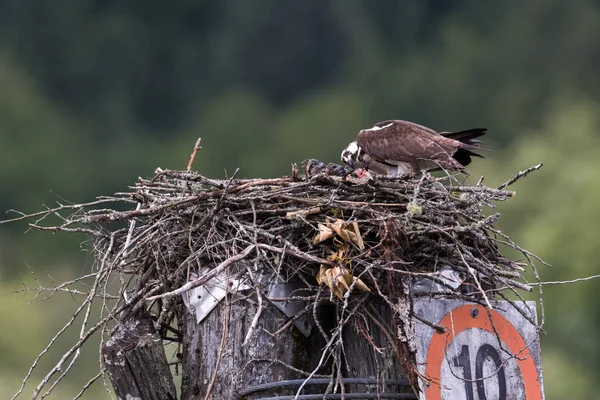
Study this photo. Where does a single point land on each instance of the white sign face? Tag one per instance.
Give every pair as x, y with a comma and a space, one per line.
482, 355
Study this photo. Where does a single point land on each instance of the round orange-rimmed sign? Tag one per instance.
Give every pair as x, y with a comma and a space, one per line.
493, 338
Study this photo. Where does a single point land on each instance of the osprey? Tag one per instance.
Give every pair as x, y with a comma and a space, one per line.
394, 148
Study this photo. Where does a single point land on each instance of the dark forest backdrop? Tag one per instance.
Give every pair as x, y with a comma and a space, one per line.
95, 93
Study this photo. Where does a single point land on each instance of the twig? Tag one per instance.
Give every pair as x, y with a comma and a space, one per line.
255, 319
56, 209
193, 155
587, 278
206, 277
437, 328
294, 251
519, 175
88, 384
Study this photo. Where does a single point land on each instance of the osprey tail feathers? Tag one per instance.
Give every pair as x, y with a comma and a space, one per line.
468, 143
467, 137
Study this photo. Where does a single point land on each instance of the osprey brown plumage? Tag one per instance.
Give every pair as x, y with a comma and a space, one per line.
396, 147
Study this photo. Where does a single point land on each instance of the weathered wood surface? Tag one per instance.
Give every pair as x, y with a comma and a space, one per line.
136, 363
237, 369
239, 366
372, 352
217, 366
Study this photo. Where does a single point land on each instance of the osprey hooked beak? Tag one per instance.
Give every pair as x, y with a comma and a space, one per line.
351, 155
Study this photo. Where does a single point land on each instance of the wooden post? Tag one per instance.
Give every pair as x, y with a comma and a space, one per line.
216, 362
371, 350
220, 360
217, 341
136, 363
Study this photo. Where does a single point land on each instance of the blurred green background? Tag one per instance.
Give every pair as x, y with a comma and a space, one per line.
96, 93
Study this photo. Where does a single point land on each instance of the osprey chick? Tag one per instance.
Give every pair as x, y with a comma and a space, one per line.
394, 148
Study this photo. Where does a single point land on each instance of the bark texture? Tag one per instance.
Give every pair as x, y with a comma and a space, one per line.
217, 365
372, 351
239, 366
243, 366
136, 363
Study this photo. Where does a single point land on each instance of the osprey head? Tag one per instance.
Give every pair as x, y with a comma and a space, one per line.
352, 154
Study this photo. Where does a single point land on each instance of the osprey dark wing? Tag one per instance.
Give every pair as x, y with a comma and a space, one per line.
402, 141
396, 147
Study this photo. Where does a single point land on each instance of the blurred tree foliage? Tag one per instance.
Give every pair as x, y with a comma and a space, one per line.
98, 92
151, 65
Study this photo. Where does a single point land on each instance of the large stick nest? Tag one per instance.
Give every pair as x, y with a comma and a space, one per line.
346, 238
374, 229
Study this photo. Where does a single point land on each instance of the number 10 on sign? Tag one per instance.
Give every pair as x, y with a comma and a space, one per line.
464, 360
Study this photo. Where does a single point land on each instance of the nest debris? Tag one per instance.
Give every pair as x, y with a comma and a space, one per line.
345, 237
